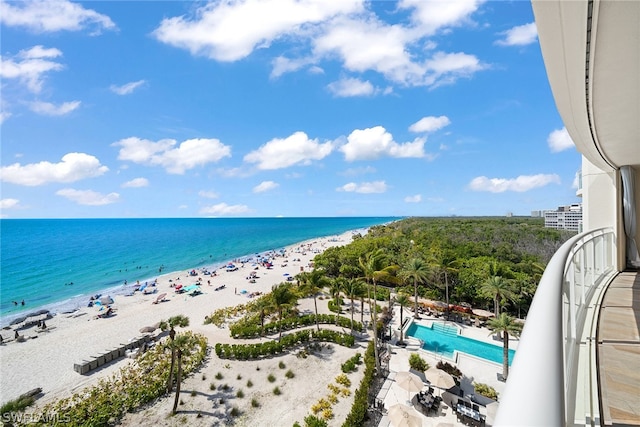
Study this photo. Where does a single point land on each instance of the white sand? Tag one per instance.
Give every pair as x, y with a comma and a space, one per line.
46, 359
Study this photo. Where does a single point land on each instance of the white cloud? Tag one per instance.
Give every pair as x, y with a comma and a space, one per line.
88, 197
30, 66
413, 199
348, 87
347, 30
136, 183
127, 88
9, 203
4, 115
296, 149
175, 160
282, 65
369, 44
265, 186
49, 109
429, 124
231, 30
44, 16
431, 16
359, 171
520, 184
73, 167
208, 194
446, 68
519, 36
376, 142
222, 209
364, 187
559, 140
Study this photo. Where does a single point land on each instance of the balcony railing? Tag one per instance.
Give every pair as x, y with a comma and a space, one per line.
553, 378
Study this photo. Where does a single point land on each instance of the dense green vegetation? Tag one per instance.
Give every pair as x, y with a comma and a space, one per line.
461, 255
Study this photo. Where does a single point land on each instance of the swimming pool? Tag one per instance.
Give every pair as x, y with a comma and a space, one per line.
444, 339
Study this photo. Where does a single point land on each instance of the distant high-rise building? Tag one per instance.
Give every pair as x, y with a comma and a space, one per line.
564, 218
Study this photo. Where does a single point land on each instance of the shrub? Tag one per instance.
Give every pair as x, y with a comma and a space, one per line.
219, 376
277, 391
449, 369
342, 379
212, 386
313, 421
281, 365
255, 403
417, 363
351, 364
240, 394
271, 378
486, 391
289, 374
358, 414
249, 384
235, 411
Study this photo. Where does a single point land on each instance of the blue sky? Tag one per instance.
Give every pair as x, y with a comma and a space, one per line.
263, 108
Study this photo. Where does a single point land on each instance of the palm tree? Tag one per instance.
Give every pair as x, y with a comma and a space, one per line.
282, 297
312, 283
447, 263
403, 301
179, 345
262, 305
415, 271
172, 323
374, 266
505, 325
335, 288
353, 289
498, 287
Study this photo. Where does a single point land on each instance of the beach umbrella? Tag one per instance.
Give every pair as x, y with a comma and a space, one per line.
482, 313
38, 313
410, 382
18, 320
404, 416
106, 300
439, 378
440, 305
149, 329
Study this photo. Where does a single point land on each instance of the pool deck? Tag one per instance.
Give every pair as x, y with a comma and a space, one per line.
475, 370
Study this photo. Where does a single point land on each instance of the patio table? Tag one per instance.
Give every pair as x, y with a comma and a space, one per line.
468, 412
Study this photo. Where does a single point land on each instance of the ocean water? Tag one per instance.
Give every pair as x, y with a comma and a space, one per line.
57, 263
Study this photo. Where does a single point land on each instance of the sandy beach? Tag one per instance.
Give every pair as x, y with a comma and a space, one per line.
46, 358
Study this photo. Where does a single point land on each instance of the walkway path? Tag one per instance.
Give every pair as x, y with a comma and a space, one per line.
619, 351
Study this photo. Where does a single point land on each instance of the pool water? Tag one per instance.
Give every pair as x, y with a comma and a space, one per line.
444, 339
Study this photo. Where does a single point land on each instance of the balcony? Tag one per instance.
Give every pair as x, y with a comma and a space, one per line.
578, 361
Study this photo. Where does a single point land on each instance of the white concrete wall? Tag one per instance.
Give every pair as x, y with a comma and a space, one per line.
602, 203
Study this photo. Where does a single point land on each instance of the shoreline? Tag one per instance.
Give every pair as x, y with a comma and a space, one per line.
46, 358
80, 301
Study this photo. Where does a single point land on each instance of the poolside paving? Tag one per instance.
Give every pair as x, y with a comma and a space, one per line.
475, 370
619, 351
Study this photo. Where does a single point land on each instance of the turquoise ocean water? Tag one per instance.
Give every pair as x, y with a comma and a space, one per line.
57, 263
